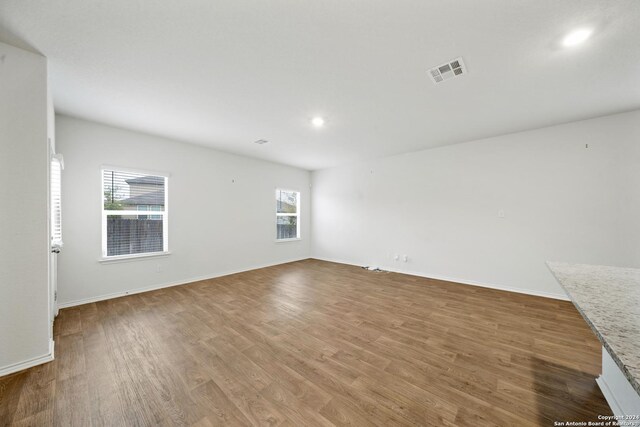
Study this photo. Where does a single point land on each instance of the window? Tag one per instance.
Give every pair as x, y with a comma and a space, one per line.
56, 200
287, 215
124, 231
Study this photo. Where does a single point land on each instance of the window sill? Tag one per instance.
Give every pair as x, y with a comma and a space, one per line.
288, 240
129, 258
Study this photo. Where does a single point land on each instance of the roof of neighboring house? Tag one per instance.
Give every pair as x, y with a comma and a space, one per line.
148, 180
150, 198
284, 207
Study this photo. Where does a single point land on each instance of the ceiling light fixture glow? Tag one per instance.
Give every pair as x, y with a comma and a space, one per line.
576, 37
317, 122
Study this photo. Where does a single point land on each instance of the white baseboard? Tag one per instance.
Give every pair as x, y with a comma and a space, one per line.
20, 366
609, 396
558, 296
103, 297
622, 398
167, 285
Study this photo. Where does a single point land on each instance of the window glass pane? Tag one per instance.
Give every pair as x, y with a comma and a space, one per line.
133, 191
287, 201
130, 235
287, 227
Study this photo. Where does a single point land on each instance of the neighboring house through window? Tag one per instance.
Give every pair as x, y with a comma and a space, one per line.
124, 230
287, 214
147, 194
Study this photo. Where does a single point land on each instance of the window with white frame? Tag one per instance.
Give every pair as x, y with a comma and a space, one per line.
55, 181
125, 231
287, 214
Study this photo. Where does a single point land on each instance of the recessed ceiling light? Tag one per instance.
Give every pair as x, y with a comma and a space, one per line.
317, 122
576, 37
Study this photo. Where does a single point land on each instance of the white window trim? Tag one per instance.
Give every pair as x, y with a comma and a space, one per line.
132, 257
134, 170
165, 217
294, 239
297, 214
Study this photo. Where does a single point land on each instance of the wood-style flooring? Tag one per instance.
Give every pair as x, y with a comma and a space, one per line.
313, 343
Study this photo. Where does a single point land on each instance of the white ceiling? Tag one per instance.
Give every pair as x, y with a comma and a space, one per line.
226, 73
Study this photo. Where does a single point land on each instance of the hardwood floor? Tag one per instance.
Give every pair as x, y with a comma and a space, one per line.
313, 343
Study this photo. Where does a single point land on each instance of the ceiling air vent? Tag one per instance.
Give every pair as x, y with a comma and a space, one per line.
449, 70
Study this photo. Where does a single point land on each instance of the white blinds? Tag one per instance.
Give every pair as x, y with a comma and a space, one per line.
56, 200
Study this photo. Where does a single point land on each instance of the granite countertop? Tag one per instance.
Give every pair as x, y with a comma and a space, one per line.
609, 300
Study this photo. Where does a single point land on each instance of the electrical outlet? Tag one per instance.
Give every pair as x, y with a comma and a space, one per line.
405, 258
501, 213
158, 267
396, 257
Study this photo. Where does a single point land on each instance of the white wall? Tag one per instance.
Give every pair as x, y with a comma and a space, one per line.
562, 202
629, 171
25, 329
216, 226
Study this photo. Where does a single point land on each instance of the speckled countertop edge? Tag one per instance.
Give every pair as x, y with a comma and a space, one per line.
633, 380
